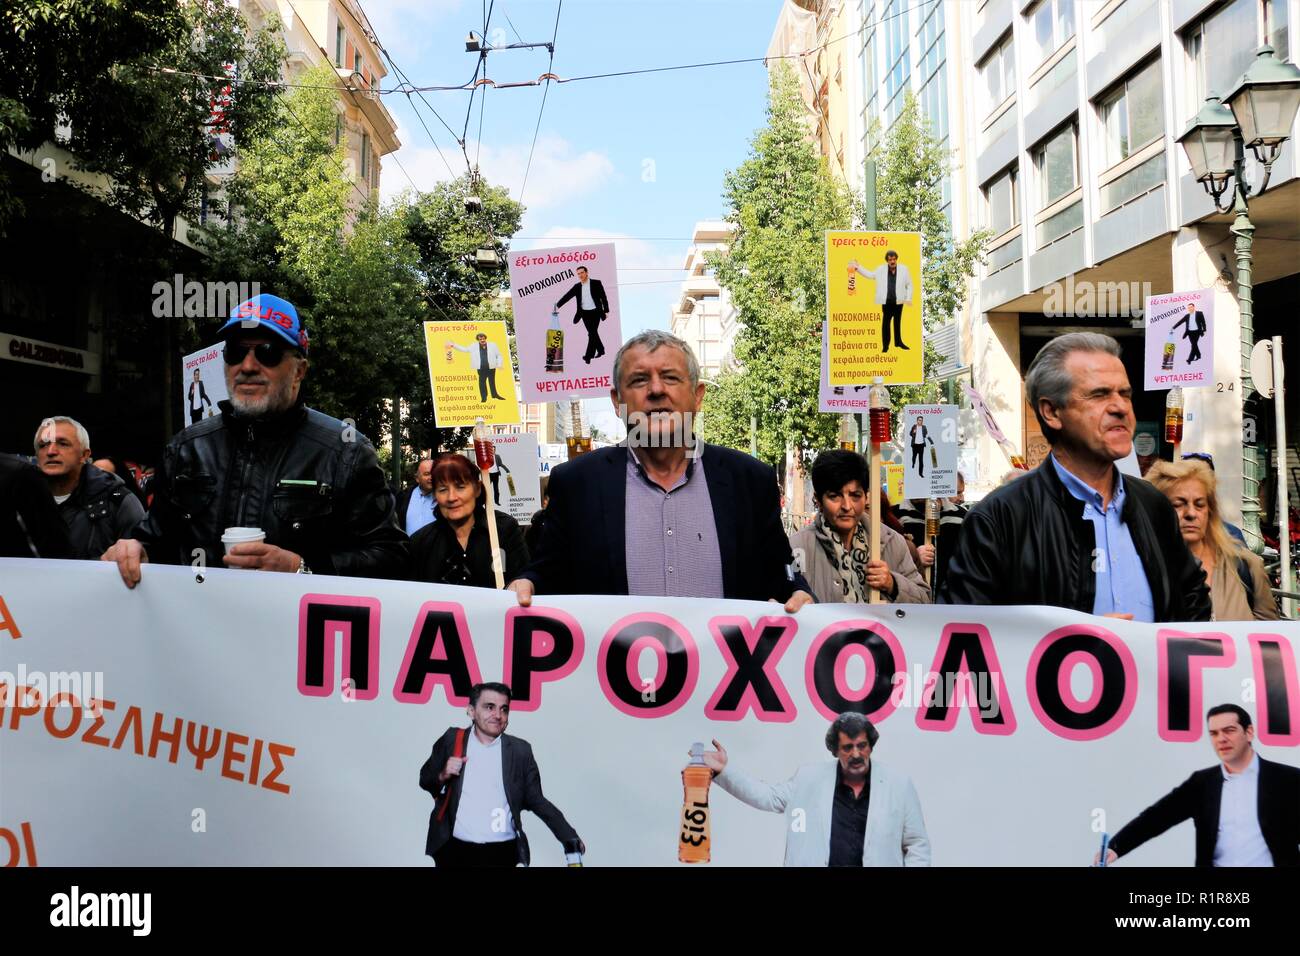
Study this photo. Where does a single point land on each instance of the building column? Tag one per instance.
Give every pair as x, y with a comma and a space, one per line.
1213, 417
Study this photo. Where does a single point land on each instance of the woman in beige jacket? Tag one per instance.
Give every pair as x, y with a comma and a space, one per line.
833, 551
1190, 487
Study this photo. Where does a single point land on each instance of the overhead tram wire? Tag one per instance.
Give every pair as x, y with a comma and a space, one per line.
407, 88
555, 32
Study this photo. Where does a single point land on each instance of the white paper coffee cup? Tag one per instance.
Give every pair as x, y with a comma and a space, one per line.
234, 536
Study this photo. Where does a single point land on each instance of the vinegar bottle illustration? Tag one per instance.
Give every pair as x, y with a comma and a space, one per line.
853, 278
693, 842
1167, 360
555, 344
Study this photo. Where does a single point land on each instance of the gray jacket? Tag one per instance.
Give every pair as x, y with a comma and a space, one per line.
824, 578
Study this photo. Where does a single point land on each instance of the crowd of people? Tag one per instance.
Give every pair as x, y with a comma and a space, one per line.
661, 515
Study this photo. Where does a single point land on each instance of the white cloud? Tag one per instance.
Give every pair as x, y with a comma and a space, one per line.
639, 254
558, 174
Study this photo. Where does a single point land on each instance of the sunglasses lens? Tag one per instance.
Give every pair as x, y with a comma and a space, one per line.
268, 354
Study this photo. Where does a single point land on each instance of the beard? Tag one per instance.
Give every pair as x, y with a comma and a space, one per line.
276, 399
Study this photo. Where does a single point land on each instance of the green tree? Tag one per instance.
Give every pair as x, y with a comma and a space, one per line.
782, 200
58, 54
912, 163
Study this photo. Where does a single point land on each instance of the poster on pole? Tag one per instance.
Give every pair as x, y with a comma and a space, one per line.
990, 423
516, 484
470, 373
203, 384
873, 307
840, 398
929, 435
891, 479
567, 325
1180, 340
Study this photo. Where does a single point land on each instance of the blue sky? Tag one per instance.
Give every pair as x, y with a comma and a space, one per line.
630, 158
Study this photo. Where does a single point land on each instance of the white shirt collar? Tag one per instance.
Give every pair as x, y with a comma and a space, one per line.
1252, 769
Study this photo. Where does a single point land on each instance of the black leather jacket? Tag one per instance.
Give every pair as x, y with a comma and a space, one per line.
1029, 543
99, 511
314, 486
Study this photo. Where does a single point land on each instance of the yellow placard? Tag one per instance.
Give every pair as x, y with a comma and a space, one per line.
470, 373
873, 307
892, 478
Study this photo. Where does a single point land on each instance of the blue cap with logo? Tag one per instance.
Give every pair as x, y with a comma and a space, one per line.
268, 312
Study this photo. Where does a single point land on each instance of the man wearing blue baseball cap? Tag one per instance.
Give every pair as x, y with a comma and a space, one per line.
267, 463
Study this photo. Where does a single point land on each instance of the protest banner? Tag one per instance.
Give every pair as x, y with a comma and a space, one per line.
873, 307
567, 326
516, 481
929, 433
1179, 340
477, 384
203, 384
245, 718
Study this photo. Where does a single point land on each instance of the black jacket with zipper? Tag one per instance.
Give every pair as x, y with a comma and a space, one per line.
312, 483
100, 510
1029, 543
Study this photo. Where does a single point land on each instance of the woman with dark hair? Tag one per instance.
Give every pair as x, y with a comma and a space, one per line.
1239, 588
833, 552
456, 549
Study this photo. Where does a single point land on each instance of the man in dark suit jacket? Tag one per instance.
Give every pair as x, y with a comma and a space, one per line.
1246, 810
471, 773
425, 511
592, 310
1194, 328
638, 519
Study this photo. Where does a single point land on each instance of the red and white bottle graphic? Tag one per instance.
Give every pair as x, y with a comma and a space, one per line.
555, 344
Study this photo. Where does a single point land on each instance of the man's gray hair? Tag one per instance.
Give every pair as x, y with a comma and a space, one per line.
83, 436
652, 340
1048, 378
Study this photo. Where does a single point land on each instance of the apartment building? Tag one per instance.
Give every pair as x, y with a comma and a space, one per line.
703, 314
1076, 109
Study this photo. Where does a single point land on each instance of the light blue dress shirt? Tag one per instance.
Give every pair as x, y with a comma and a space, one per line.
1241, 841
1122, 586
419, 511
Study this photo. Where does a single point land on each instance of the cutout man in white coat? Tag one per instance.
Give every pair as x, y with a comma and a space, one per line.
849, 812
893, 291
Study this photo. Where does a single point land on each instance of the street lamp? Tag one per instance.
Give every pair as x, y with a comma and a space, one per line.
1260, 113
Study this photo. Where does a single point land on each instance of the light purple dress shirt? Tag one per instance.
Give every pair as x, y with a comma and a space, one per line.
671, 539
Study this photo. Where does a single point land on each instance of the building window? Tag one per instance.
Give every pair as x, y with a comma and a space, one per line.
340, 37
365, 156
997, 76
356, 61
1051, 23
897, 57
338, 129
1003, 203
1131, 115
1222, 46
1056, 162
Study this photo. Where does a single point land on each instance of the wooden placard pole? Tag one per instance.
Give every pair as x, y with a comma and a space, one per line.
876, 597
497, 570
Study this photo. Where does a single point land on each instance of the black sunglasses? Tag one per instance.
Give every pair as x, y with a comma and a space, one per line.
268, 354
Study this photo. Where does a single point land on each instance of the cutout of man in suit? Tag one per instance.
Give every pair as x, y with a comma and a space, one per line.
893, 291
1193, 328
486, 359
593, 309
1246, 809
918, 435
198, 395
482, 779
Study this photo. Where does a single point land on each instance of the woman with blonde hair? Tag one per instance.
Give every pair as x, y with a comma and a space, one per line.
1239, 588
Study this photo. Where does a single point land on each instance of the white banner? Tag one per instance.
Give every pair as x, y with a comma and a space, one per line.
272, 719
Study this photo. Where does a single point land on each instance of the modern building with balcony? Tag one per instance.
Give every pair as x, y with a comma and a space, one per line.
1077, 108
703, 314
